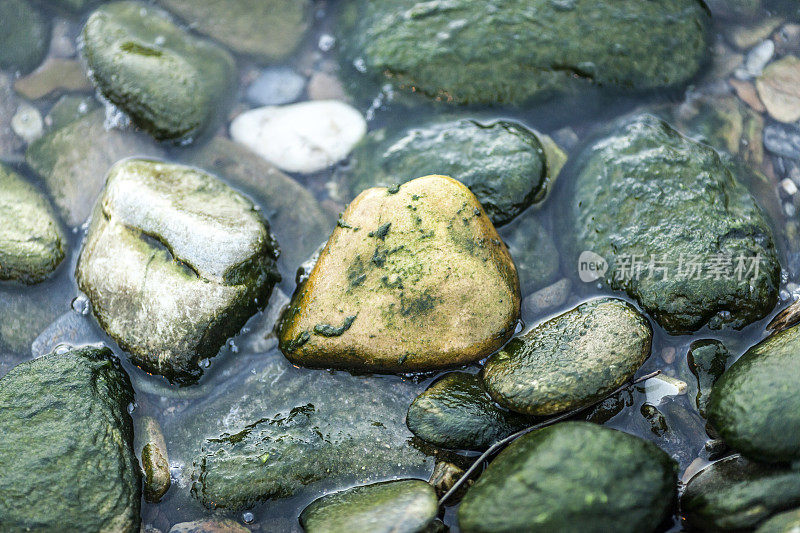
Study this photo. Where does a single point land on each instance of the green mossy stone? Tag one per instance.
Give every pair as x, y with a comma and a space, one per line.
647, 192
67, 448
570, 361
707, 359
461, 51
402, 506
735, 494
506, 166
172, 84
572, 476
269, 30
24, 36
32, 243
788, 522
754, 405
456, 412
534, 252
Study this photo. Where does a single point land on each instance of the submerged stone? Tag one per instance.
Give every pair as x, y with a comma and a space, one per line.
735, 494
706, 359
681, 234
534, 252
413, 278
67, 449
506, 166
24, 35
174, 263
269, 30
572, 476
402, 506
463, 52
171, 83
753, 405
32, 243
155, 463
570, 361
457, 412
28, 311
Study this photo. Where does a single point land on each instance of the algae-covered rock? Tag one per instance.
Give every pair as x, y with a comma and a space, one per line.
681, 234
74, 160
457, 412
735, 494
753, 406
706, 359
171, 83
66, 454
155, 462
32, 243
506, 166
24, 35
269, 30
572, 476
285, 431
402, 506
174, 263
787, 522
571, 360
460, 51
534, 252
414, 277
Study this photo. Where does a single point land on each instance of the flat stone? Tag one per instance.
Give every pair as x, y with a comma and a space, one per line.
456, 412
779, 89
750, 406
210, 525
413, 278
305, 137
534, 252
782, 140
54, 76
24, 35
174, 263
276, 86
547, 299
171, 84
32, 243
572, 476
65, 414
402, 506
570, 361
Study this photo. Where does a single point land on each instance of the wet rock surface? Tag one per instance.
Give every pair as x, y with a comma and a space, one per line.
707, 360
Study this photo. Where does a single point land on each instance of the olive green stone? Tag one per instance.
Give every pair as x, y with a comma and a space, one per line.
402, 506
66, 454
413, 278
703, 251
788, 522
506, 166
754, 406
706, 359
155, 463
534, 252
171, 83
460, 51
572, 476
68, 109
570, 361
456, 412
269, 30
74, 160
174, 263
32, 243
735, 494
24, 36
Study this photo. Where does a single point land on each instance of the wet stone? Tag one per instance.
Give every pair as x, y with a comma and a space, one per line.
783, 140
394, 290
172, 84
276, 86
54, 76
751, 405
534, 252
781, 523
548, 298
155, 462
403, 506
174, 263
457, 412
570, 361
706, 359
63, 414
779, 89
572, 476
210, 525
24, 35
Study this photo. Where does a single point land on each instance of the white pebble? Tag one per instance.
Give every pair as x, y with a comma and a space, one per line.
27, 123
660, 386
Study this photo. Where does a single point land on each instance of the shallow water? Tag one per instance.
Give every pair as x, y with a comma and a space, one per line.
571, 122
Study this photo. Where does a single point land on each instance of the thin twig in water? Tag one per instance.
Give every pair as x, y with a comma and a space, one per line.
494, 448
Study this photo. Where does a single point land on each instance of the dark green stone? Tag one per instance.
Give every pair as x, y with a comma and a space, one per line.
706, 359
647, 192
573, 476
457, 412
755, 406
467, 52
735, 494
507, 166
66, 452
403, 506
171, 83
24, 36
